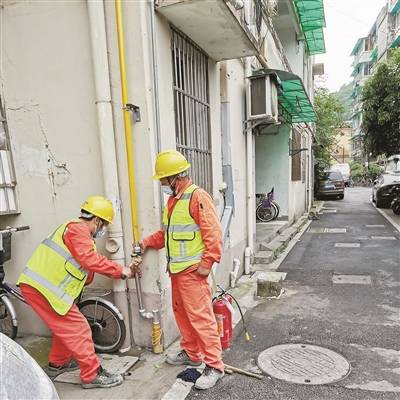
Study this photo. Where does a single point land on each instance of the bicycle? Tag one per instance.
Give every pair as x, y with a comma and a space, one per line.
267, 208
104, 318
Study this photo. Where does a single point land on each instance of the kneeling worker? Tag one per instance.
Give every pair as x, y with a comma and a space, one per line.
54, 278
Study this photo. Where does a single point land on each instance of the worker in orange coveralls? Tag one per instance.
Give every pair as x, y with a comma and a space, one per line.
192, 237
53, 280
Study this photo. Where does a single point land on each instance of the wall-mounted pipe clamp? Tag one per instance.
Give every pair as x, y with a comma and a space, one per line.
135, 110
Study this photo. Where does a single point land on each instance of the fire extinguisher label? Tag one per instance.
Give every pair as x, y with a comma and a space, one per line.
220, 324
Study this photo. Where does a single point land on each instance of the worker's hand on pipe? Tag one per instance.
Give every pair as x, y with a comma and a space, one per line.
135, 265
203, 271
127, 273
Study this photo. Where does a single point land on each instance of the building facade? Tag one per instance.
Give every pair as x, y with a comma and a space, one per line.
188, 65
367, 52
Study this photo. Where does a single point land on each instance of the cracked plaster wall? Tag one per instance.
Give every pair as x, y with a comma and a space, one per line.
47, 84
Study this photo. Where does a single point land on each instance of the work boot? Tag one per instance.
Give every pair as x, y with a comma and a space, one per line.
182, 359
209, 378
104, 379
53, 371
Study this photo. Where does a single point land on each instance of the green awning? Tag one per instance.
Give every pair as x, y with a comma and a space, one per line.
357, 46
396, 42
374, 54
312, 20
395, 8
294, 103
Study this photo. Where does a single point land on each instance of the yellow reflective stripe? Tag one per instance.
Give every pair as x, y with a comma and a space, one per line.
186, 196
55, 290
63, 253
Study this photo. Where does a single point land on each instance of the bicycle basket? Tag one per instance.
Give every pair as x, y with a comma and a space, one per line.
5, 248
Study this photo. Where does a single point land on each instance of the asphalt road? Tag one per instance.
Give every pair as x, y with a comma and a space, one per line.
359, 321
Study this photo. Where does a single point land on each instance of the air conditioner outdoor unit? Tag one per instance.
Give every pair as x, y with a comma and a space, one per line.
264, 98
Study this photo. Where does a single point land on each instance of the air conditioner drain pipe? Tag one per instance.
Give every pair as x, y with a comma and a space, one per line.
156, 334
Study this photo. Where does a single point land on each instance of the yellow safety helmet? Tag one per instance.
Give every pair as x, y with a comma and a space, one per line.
100, 207
169, 163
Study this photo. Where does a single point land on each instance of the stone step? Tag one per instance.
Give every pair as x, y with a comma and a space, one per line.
263, 257
269, 284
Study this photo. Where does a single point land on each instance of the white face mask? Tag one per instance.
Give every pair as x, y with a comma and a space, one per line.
100, 232
167, 190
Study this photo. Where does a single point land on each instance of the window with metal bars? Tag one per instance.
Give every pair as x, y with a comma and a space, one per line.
192, 108
8, 197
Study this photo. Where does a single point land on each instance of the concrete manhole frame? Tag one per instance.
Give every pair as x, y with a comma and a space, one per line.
275, 362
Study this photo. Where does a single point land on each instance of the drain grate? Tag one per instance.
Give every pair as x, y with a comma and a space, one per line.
304, 364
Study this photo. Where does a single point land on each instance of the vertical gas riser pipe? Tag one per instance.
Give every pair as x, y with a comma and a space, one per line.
154, 315
114, 242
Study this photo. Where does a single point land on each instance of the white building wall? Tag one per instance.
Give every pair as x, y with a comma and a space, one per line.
48, 88
273, 167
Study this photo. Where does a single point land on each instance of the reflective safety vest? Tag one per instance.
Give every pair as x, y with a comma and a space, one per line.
183, 242
54, 272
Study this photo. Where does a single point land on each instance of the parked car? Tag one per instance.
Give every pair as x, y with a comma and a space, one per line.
331, 184
345, 170
382, 191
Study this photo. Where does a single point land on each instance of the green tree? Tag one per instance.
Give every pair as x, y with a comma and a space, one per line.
381, 108
329, 112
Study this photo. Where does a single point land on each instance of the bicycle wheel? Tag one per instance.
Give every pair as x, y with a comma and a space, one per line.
106, 322
264, 214
277, 208
8, 318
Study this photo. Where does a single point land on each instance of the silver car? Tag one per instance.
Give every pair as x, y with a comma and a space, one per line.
382, 191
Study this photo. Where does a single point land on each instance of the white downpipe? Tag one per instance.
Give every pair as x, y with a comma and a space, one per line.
114, 244
249, 164
247, 260
235, 272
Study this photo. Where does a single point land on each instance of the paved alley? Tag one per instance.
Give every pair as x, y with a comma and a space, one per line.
359, 320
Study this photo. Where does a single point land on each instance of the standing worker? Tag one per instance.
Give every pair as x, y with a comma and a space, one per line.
53, 280
192, 236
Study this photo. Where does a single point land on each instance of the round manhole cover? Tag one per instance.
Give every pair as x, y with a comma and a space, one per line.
303, 363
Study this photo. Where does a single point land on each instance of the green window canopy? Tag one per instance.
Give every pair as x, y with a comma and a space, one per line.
396, 8
312, 21
294, 103
374, 55
396, 42
357, 46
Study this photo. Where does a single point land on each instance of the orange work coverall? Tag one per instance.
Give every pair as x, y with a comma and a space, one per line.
191, 293
72, 336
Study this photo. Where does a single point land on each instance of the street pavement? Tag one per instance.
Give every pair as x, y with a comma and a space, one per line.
359, 321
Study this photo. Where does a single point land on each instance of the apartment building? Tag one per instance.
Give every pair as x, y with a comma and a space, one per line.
192, 68
367, 52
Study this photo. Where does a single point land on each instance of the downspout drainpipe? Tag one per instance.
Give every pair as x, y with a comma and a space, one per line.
114, 244
156, 332
229, 201
249, 163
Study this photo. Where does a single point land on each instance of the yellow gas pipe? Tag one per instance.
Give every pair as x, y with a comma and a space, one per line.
156, 330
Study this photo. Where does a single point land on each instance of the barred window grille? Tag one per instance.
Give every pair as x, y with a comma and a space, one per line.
192, 108
8, 198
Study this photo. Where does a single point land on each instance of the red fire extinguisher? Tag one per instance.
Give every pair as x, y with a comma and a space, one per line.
223, 310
